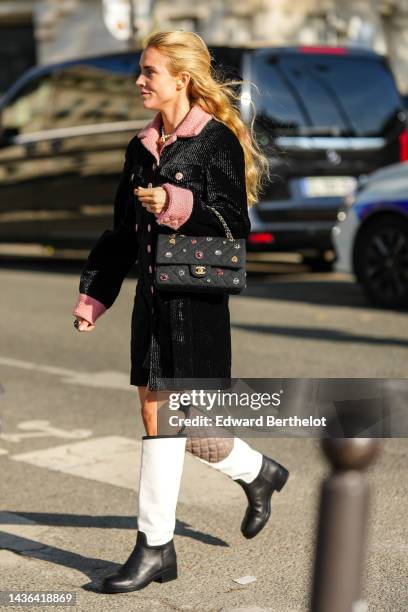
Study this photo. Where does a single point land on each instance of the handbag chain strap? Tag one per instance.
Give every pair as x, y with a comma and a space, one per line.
226, 228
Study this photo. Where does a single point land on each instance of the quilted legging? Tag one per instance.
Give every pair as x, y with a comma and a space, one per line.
209, 443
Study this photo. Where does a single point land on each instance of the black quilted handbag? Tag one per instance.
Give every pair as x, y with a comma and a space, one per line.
203, 264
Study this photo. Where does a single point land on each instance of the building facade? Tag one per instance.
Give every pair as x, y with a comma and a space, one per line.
43, 31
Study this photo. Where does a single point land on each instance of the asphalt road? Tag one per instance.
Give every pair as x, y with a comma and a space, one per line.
70, 445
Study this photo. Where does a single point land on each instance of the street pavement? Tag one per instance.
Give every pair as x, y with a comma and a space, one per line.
70, 444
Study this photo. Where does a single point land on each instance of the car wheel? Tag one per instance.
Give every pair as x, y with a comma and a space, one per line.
381, 261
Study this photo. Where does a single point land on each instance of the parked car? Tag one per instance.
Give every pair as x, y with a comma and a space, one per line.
64, 130
319, 119
323, 125
63, 133
371, 236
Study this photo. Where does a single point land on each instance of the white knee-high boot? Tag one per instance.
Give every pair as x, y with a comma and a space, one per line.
259, 476
243, 462
160, 477
153, 557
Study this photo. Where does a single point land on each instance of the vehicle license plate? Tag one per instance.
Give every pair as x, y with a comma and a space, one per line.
326, 186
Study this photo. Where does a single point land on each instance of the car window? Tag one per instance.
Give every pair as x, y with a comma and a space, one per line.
226, 62
28, 110
316, 94
96, 92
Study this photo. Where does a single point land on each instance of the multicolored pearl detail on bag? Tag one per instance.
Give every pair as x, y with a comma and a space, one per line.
198, 276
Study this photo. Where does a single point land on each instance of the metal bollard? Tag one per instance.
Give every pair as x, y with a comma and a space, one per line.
342, 526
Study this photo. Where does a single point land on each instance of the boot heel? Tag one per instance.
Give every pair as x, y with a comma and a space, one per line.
167, 575
282, 478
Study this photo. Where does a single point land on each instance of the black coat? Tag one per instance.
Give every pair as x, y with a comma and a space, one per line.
173, 335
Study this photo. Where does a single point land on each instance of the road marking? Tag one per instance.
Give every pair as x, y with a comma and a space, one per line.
19, 533
39, 429
107, 379
7, 557
115, 460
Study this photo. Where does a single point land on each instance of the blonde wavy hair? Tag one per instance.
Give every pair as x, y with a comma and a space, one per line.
186, 51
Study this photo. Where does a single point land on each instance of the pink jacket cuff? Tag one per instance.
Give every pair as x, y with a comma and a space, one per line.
88, 308
179, 207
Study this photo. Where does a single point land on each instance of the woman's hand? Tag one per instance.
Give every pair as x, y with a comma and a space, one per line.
84, 325
154, 199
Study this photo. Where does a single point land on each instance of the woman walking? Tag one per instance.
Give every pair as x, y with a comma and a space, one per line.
195, 154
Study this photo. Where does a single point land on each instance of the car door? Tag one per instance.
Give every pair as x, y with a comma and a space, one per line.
24, 157
96, 111
92, 111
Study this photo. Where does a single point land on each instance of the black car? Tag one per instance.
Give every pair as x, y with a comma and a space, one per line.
64, 130
324, 116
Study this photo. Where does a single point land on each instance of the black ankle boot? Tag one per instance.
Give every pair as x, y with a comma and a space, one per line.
272, 476
145, 565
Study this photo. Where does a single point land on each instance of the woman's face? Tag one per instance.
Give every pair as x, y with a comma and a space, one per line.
158, 88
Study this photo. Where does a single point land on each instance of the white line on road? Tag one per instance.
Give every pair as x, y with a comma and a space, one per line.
14, 526
115, 460
40, 428
108, 379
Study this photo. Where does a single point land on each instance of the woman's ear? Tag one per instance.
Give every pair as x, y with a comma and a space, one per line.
184, 77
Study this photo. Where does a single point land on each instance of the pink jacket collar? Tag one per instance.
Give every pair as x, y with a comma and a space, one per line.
191, 125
